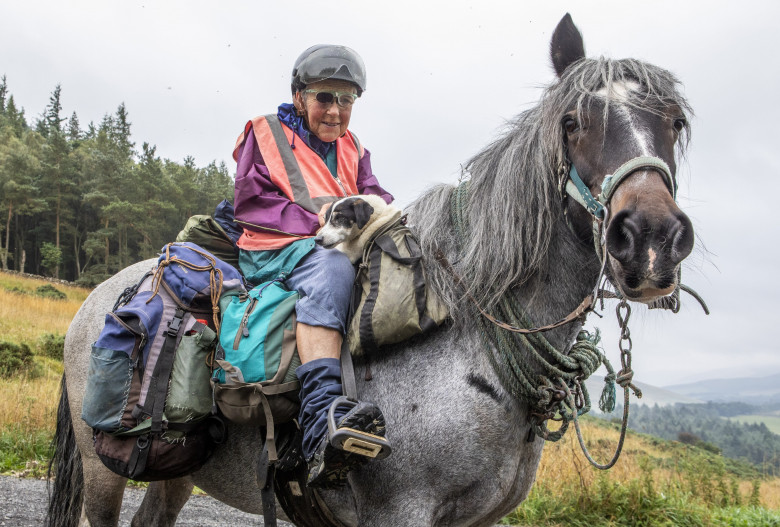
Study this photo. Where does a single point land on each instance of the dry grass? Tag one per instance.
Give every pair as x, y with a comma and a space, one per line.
31, 405
563, 463
24, 317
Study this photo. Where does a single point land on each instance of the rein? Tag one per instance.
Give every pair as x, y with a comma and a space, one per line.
559, 392
550, 392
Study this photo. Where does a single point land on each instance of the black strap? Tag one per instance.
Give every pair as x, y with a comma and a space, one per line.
420, 294
158, 387
137, 463
366, 327
348, 385
155, 399
266, 472
388, 245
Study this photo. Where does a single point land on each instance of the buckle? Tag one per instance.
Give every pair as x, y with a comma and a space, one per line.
175, 324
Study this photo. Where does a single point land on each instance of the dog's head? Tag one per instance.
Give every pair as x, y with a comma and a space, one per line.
344, 220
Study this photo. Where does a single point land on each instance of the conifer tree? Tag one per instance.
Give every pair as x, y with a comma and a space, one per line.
52, 119
15, 118
3, 93
74, 132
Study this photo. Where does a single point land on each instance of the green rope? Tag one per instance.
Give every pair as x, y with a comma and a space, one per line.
528, 366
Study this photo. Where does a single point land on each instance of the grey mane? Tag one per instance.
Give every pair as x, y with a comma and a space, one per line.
514, 199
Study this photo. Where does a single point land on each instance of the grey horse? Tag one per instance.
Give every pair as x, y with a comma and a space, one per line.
462, 455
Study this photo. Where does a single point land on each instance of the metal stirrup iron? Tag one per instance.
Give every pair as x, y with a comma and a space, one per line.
349, 439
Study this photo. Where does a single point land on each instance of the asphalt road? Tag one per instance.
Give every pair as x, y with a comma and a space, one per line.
23, 503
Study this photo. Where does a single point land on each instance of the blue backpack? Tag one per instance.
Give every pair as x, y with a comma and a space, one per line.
148, 397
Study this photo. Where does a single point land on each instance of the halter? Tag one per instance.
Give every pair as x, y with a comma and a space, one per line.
598, 207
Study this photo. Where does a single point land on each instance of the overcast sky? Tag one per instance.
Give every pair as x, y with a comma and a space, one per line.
442, 79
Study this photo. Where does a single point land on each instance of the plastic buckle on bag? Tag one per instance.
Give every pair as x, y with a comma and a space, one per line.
173, 327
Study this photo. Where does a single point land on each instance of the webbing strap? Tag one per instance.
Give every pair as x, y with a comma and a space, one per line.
155, 400
266, 473
348, 385
366, 326
158, 389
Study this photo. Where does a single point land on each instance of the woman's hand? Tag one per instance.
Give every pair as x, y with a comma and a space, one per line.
321, 214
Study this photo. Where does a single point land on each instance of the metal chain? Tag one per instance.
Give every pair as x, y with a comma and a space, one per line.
624, 377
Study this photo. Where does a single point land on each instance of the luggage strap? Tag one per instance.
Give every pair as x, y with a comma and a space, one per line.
158, 389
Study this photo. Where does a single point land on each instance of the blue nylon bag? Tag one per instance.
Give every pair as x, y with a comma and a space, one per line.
254, 331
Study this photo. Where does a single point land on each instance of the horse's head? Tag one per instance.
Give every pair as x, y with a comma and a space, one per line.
622, 121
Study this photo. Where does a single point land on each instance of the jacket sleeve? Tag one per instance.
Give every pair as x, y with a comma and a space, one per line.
366, 180
259, 203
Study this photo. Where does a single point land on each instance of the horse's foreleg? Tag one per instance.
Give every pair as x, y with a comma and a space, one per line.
103, 491
162, 503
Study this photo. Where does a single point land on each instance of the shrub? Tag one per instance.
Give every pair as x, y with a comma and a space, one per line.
688, 438
51, 256
51, 345
49, 291
17, 359
92, 279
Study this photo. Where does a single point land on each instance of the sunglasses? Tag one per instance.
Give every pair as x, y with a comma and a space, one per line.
326, 98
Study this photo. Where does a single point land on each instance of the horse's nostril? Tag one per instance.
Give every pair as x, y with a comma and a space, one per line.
621, 236
682, 239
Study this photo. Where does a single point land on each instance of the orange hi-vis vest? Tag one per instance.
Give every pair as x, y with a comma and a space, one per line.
300, 174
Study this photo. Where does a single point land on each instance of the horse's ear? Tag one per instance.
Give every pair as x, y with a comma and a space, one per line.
566, 46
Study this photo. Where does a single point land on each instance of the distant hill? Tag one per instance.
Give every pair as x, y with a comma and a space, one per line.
651, 395
753, 390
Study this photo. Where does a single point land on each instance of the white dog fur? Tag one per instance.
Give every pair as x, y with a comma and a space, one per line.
351, 222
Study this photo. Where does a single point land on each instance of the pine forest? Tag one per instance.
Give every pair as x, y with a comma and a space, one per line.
80, 203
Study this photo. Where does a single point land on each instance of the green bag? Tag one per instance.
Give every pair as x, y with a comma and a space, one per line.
204, 231
391, 301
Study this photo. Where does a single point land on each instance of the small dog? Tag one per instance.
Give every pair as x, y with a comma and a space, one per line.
351, 222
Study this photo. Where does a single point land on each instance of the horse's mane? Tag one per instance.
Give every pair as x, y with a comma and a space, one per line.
513, 199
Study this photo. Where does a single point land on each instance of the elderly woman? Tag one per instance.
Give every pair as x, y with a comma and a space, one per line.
291, 166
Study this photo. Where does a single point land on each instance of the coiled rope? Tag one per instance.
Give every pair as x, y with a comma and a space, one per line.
532, 369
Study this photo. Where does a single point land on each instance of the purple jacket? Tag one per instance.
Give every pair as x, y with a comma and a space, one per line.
259, 201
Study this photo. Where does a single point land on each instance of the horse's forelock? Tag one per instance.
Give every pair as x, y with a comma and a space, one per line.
513, 200
594, 79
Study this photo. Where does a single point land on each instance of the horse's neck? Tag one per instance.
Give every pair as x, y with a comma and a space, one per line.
554, 292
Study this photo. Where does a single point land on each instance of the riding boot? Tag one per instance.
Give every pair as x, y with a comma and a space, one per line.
328, 462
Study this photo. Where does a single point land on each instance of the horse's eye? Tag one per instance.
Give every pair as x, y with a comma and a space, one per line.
570, 125
679, 124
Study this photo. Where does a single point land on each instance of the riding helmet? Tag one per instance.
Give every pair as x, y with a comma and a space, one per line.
325, 61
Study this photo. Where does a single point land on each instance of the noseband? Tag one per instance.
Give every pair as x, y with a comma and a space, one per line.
598, 207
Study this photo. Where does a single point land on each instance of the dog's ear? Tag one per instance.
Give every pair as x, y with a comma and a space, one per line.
363, 212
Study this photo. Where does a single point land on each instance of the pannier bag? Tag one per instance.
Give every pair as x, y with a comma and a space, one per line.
255, 383
148, 396
207, 233
391, 301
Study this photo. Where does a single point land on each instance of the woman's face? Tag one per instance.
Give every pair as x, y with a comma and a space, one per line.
327, 121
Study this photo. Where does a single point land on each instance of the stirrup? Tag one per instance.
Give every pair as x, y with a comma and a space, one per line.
352, 440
